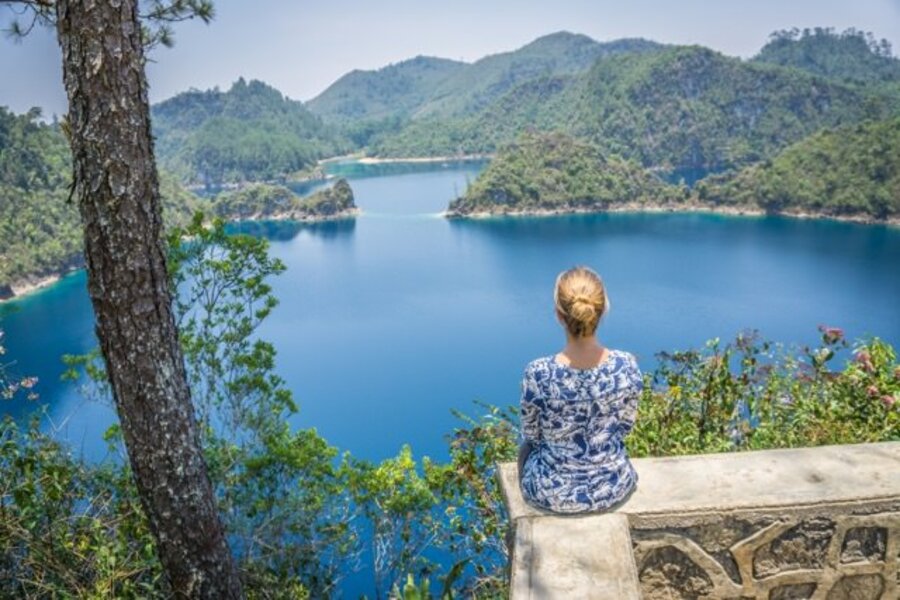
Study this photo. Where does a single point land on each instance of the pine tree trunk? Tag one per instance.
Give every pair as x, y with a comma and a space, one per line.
117, 189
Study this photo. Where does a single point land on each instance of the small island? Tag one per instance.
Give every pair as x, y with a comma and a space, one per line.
266, 202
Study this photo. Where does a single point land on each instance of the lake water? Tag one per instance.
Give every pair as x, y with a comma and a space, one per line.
389, 322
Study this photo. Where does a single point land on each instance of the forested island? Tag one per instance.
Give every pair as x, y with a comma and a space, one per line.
266, 202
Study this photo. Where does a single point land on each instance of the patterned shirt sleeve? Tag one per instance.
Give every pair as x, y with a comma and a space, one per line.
635, 383
530, 411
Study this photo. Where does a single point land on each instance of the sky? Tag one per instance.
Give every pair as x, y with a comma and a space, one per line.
301, 47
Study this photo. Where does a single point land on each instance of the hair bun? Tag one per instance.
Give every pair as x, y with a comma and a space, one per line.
580, 300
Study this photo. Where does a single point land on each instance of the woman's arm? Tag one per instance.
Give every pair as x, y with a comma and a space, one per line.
529, 418
629, 409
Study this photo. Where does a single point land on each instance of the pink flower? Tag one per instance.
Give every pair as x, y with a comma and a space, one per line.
831, 335
888, 400
873, 390
865, 361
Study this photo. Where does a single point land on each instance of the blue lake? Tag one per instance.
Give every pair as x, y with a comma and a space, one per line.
389, 322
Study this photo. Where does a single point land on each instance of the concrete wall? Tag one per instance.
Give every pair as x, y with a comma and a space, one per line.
816, 523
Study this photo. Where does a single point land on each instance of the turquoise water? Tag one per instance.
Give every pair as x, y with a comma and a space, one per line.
389, 322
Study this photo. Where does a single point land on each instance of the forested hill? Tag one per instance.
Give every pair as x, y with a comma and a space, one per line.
474, 88
851, 172
249, 133
691, 107
852, 55
395, 90
676, 108
40, 233
430, 87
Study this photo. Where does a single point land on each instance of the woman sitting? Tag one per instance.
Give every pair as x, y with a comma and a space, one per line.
577, 406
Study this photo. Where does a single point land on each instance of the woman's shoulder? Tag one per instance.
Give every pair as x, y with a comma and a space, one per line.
539, 365
622, 357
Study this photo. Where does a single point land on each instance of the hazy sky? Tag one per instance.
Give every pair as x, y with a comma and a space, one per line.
301, 47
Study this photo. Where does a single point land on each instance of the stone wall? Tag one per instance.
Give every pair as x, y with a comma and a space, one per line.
817, 523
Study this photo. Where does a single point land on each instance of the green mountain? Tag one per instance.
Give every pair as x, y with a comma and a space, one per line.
693, 108
40, 232
249, 133
395, 90
851, 56
852, 171
553, 172
474, 88
676, 108
426, 87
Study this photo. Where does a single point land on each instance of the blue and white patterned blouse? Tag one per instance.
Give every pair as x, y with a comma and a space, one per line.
576, 420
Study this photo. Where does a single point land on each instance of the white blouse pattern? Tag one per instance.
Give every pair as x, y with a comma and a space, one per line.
576, 420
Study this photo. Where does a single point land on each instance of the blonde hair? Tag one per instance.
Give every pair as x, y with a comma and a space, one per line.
581, 301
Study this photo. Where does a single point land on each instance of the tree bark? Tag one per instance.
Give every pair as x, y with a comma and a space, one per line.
116, 185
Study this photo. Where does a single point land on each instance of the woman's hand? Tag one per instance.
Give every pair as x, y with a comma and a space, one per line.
524, 451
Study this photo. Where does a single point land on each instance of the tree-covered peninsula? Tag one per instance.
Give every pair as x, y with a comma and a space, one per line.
266, 202
545, 173
851, 172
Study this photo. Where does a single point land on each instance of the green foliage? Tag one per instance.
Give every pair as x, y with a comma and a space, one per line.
265, 201
40, 231
750, 395
249, 133
68, 529
851, 55
852, 171
554, 172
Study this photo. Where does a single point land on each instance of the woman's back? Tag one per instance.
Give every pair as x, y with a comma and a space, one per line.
575, 421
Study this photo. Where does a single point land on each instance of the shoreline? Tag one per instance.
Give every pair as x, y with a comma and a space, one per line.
21, 289
28, 286
374, 160
635, 208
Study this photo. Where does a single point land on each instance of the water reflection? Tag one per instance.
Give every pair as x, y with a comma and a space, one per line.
358, 170
285, 231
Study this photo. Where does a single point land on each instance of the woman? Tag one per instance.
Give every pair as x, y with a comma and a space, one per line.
577, 406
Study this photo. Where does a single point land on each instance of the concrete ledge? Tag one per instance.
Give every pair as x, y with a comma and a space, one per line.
559, 557
820, 523
746, 480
